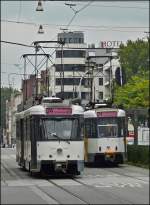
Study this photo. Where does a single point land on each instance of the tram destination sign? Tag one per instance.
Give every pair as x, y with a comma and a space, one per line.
107, 114
59, 111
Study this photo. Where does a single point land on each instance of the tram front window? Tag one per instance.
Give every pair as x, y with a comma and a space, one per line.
107, 127
60, 129
108, 130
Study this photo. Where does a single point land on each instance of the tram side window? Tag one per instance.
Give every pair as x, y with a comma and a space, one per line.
93, 128
24, 129
87, 128
28, 128
90, 128
18, 130
32, 128
41, 134
122, 128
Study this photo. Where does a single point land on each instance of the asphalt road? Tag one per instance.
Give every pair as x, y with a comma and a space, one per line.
103, 185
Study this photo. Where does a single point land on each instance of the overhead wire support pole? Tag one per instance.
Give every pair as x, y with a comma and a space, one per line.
47, 77
36, 73
25, 82
110, 74
36, 44
62, 73
35, 68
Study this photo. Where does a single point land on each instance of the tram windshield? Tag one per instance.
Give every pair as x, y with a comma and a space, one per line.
60, 129
107, 127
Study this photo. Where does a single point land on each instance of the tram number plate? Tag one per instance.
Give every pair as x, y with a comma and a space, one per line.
59, 111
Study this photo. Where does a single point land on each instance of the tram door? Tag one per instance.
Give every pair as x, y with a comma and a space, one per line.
22, 140
34, 131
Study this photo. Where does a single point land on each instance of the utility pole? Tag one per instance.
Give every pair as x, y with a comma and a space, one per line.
62, 73
37, 46
110, 75
73, 83
25, 56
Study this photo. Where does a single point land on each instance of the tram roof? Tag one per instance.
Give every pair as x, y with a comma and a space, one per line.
41, 110
93, 113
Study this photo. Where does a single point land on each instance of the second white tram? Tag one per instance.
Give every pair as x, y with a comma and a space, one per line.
105, 135
50, 138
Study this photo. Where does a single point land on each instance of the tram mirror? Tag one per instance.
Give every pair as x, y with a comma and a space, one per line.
66, 133
121, 132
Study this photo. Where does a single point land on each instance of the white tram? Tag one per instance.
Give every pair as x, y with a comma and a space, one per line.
105, 135
49, 138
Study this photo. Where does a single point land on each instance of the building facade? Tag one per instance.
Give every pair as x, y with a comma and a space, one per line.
11, 109
79, 71
70, 65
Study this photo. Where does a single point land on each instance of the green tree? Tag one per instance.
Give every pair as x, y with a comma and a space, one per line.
134, 57
134, 94
134, 60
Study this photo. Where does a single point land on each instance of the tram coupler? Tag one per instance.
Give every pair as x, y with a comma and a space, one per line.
60, 167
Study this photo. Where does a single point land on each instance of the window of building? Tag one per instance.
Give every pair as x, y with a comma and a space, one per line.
101, 95
69, 95
70, 67
108, 50
69, 81
100, 81
70, 54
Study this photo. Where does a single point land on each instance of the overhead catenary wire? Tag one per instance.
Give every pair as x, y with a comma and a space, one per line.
116, 6
76, 12
89, 27
20, 9
81, 48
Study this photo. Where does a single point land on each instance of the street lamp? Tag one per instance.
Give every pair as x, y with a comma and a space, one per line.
39, 7
40, 31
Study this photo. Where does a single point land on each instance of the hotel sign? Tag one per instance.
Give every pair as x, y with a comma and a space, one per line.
110, 44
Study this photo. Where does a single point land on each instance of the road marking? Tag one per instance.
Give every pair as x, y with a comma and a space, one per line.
5, 157
13, 156
113, 181
9, 171
100, 175
41, 182
65, 182
28, 182
119, 185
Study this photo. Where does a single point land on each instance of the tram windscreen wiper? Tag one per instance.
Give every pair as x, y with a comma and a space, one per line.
55, 135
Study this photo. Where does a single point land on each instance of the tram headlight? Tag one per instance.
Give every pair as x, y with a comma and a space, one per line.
59, 150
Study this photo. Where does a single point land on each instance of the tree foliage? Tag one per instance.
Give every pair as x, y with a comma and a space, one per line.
5, 95
134, 59
134, 94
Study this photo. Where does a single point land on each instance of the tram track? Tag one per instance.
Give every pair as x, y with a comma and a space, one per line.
69, 192
13, 171
112, 195
122, 174
8, 170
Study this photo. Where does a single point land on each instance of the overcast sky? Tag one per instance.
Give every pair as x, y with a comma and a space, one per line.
100, 21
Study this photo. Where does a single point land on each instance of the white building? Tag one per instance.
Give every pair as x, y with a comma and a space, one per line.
106, 63
75, 64
11, 109
70, 65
